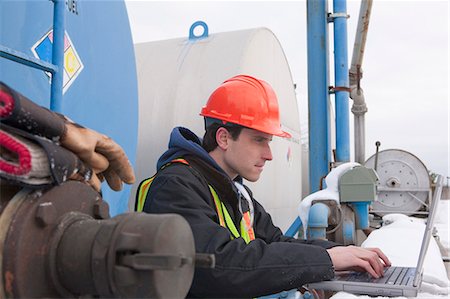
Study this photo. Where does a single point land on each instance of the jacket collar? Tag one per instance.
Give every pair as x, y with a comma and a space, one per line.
221, 183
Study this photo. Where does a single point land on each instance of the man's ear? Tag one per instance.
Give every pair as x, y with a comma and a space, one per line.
222, 136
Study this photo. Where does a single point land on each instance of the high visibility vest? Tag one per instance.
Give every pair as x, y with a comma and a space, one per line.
225, 220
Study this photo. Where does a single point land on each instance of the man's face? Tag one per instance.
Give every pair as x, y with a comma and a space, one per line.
247, 155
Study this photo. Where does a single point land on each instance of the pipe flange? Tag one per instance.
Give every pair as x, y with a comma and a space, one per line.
67, 220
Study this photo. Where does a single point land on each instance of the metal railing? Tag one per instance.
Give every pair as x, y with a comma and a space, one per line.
57, 66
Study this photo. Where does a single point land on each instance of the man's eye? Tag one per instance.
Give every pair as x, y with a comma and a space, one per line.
262, 140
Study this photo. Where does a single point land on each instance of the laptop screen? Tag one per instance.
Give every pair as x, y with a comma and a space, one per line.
429, 228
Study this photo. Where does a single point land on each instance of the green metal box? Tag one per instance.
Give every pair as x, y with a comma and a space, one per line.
358, 184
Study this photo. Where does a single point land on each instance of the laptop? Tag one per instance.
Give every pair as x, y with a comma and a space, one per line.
397, 281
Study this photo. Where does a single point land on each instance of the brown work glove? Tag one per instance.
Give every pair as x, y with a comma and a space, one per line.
98, 152
106, 158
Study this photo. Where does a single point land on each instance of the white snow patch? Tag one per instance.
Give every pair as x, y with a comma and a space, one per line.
400, 239
331, 192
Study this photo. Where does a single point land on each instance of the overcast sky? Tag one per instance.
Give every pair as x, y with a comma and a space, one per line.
406, 63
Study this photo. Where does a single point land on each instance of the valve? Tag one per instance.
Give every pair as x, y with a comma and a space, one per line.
60, 242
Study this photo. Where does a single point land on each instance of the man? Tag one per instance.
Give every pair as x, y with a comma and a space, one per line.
204, 184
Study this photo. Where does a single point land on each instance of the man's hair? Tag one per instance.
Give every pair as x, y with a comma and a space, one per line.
209, 139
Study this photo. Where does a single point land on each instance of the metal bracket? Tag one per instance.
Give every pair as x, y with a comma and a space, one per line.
27, 60
72, 6
147, 261
332, 16
205, 33
333, 89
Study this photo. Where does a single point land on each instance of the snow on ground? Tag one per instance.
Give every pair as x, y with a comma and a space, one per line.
401, 237
442, 223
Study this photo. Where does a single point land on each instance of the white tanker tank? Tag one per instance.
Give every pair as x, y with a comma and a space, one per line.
175, 79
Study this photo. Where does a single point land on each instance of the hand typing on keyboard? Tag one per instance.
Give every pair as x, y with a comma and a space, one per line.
371, 260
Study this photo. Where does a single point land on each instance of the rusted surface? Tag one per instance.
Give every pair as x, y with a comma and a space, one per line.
9, 278
54, 244
6, 217
101, 210
46, 214
7, 191
27, 241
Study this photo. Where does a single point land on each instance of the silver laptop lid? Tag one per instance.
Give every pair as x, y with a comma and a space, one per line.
428, 229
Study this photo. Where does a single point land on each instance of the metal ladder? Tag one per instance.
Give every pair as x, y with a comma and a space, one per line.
57, 66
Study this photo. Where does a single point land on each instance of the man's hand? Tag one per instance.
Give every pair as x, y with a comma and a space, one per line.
355, 258
104, 156
98, 152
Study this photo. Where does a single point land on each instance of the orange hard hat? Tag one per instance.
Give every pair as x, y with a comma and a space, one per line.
246, 101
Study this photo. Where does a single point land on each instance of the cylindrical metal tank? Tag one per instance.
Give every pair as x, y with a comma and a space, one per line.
100, 84
175, 79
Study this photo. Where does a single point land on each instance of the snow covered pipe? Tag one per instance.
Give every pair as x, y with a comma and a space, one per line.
339, 19
318, 96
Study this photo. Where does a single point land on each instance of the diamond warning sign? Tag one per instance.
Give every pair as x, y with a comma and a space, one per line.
73, 66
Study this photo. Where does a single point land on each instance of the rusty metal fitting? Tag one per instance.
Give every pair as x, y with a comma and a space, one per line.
46, 214
101, 209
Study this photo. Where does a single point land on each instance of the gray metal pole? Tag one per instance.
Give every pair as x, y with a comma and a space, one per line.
359, 107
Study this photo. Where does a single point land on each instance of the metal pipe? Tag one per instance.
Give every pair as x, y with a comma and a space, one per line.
318, 96
359, 135
294, 228
377, 144
361, 35
359, 107
341, 80
318, 221
27, 60
58, 55
361, 210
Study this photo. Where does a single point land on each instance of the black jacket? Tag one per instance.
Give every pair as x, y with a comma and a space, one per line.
267, 265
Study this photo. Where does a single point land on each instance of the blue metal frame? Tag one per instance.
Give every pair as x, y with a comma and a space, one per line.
56, 93
341, 80
293, 229
318, 96
24, 59
56, 68
318, 93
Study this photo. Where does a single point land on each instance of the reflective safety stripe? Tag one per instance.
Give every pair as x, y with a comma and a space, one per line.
179, 160
247, 232
218, 205
144, 186
225, 219
248, 225
142, 193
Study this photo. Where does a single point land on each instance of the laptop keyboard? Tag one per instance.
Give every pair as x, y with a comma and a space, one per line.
392, 276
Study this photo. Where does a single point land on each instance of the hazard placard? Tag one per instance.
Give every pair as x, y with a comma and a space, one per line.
73, 65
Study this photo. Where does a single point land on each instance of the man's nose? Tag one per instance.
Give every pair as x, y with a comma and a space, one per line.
267, 154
